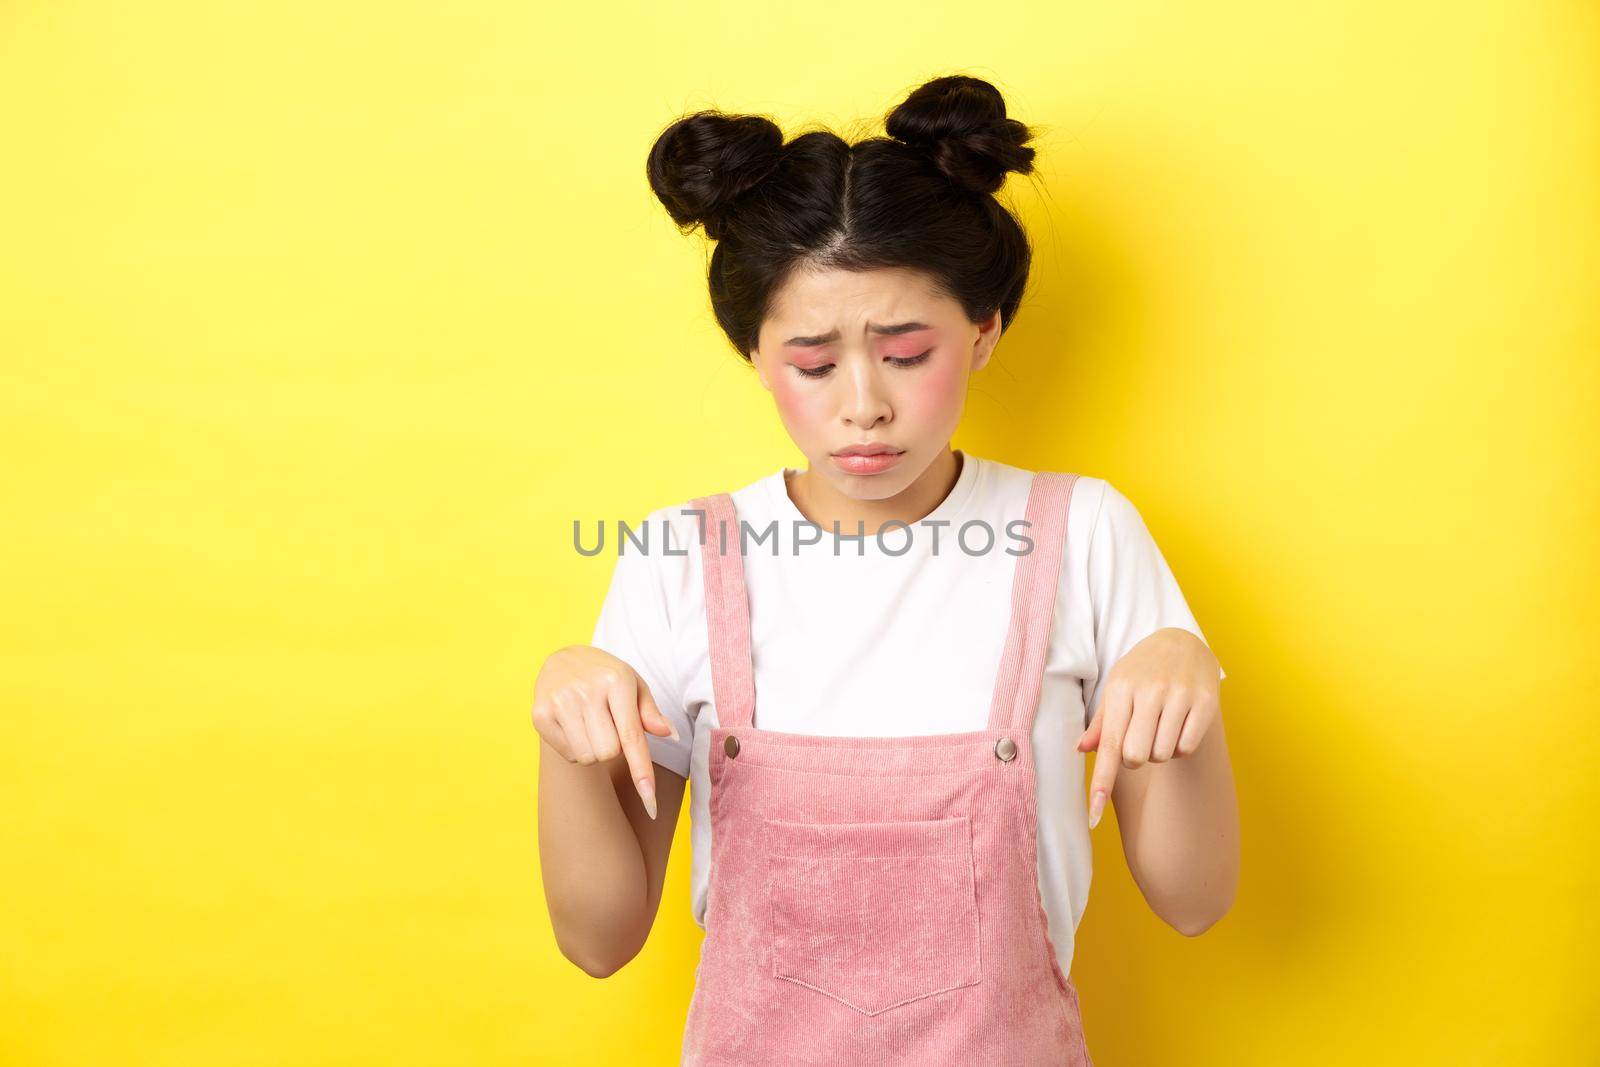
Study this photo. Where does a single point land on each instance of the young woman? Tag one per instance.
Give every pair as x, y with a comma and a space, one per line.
882, 673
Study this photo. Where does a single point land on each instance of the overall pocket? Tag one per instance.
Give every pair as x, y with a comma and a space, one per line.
876, 914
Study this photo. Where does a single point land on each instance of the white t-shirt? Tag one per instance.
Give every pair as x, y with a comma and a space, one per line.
857, 637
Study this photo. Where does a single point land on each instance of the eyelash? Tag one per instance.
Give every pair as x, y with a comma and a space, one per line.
822, 371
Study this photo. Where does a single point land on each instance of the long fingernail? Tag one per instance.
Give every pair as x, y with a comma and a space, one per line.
673, 727
1096, 806
647, 793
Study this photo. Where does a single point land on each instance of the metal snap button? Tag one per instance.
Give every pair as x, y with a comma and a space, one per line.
1006, 749
731, 746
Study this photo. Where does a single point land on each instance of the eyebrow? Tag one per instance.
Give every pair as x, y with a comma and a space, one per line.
893, 330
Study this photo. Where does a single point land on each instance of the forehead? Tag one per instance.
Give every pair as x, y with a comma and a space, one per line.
815, 300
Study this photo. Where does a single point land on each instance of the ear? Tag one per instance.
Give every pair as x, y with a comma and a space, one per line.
988, 337
761, 373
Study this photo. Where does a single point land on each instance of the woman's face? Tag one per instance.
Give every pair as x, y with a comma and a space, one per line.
869, 357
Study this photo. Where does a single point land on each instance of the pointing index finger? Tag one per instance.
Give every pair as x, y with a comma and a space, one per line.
1115, 709
623, 696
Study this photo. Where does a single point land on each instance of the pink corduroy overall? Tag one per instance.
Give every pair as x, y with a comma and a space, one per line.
875, 900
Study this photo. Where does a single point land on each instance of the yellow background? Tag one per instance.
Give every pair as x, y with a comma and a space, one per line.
321, 323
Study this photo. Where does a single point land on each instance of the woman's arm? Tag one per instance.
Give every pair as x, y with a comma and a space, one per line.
1160, 754
601, 854
1180, 832
603, 858
1176, 809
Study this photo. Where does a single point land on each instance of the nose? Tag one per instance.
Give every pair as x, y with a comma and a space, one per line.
866, 403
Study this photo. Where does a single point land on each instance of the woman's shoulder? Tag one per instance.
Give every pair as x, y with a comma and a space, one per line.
752, 494
674, 530
1008, 482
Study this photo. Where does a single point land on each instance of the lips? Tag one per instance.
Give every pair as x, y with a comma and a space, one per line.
869, 450
867, 459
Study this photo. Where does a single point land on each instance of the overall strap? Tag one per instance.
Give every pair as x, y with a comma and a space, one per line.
727, 612
1033, 599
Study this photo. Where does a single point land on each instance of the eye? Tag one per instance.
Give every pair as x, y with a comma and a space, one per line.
822, 371
912, 361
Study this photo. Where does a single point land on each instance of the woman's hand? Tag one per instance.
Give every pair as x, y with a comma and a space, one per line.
1158, 702
590, 707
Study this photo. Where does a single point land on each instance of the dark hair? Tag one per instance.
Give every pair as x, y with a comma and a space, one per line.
920, 198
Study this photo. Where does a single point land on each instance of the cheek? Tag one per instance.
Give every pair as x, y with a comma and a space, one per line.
797, 406
939, 391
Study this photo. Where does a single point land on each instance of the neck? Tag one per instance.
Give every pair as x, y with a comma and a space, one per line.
824, 505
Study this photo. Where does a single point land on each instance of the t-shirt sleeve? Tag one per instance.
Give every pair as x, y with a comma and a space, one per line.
1132, 589
634, 626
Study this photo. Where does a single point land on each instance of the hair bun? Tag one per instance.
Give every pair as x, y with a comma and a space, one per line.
961, 123
703, 163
